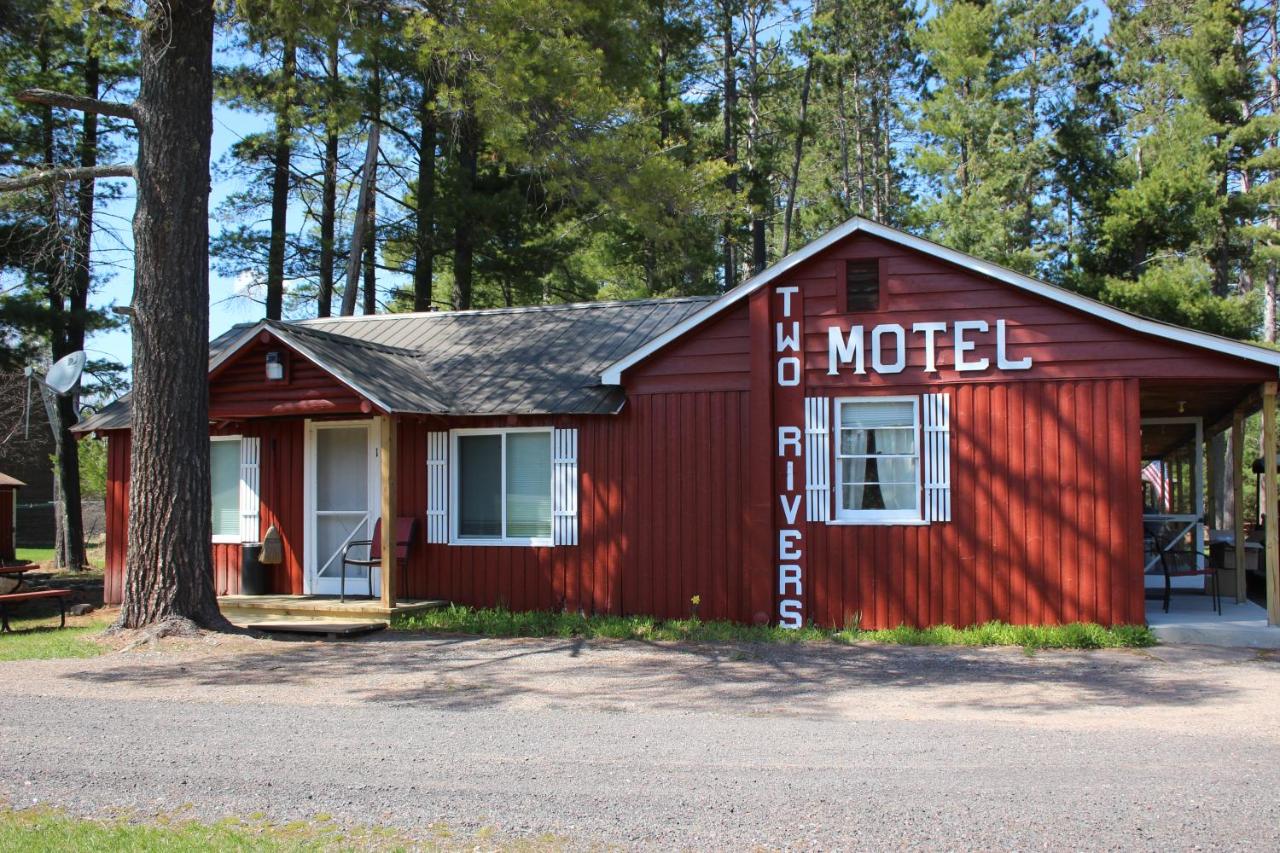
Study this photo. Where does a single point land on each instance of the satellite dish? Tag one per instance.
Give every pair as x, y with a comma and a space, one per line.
65, 373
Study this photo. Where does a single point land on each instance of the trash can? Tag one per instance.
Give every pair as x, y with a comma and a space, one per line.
253, 574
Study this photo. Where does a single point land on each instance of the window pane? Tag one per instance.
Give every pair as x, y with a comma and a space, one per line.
224, 473
528, 484
869, 414
855, 442
480, 486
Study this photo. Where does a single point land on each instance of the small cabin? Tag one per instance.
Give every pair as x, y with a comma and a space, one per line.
9, 518
876, 429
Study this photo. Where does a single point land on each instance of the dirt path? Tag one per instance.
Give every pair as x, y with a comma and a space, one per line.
659, 746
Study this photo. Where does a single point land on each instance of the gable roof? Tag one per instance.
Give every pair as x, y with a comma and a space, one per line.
612, 375
532, 360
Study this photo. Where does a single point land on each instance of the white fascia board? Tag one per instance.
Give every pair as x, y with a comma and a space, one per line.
1166, 331
251, 334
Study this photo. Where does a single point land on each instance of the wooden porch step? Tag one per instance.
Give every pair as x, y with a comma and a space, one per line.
243, 608
332, 629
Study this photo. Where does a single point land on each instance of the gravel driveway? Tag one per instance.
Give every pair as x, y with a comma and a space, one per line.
660, 746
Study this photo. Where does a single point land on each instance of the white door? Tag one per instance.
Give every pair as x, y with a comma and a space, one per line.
342, 491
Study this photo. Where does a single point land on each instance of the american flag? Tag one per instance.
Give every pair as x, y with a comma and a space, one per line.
1154, 474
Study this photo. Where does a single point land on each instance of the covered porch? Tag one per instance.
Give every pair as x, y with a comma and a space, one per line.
1206, 517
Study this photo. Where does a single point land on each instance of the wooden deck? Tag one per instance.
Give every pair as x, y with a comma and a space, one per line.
243, 609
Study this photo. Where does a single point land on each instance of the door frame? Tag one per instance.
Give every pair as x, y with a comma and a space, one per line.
374, 479
1194, 522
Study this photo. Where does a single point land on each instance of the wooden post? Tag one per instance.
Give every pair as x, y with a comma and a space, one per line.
1237, 489
1269, 481
387, 455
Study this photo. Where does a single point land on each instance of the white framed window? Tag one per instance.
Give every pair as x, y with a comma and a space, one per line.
501, 486
224, 475
878, 460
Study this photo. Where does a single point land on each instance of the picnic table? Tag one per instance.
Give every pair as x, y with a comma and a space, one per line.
13, 596
16, 571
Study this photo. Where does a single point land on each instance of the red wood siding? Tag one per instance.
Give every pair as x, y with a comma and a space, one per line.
280, 491
7, 500
663, 474
1046, 524
117, 509
239, 387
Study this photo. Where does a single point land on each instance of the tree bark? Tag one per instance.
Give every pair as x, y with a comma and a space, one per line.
730, 82
168, 571
463, 233
329, 192
424, 247
280, 183
797, 154
363, 202
371, 209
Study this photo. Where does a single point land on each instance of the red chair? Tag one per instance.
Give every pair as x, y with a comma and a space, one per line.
406, 532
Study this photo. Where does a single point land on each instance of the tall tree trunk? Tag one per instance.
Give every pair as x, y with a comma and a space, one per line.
363, 204
842, 129
280, 182
371, 209
329, 191
424, 246
758, 187
730, 82
168, 572
797, 154
468, 144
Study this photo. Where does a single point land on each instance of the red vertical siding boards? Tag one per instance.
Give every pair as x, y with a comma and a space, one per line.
1134, 583
1068, 516
1017, 562
1033, 515
1003, 476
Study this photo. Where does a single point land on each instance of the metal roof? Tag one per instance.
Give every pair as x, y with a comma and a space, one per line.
533, 360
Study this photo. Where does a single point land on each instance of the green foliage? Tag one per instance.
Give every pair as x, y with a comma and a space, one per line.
93, 467
500, 622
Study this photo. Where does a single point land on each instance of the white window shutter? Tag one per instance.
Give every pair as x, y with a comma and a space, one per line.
438, 488
564, 486
817, 452
250, 477
937, 457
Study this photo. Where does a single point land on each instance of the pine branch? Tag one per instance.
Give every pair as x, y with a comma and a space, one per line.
77, 102
43, 177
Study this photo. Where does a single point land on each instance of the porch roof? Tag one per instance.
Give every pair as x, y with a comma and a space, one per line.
533, 360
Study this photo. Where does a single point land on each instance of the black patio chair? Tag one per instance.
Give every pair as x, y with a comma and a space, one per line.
1164, 548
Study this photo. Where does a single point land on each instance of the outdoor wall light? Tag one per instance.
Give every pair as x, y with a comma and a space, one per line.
275, 366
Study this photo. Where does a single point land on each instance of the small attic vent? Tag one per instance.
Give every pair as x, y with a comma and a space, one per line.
862, 286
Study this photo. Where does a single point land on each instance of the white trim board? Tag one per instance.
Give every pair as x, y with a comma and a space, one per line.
612, 375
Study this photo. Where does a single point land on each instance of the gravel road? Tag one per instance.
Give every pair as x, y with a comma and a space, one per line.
665, 747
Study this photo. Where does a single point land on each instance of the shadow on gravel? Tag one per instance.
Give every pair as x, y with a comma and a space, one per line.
464, 673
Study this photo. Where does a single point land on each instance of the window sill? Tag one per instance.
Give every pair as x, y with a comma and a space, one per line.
503, 543
226, 540
878, 522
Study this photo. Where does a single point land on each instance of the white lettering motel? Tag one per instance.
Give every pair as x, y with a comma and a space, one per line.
790, 546
888, 347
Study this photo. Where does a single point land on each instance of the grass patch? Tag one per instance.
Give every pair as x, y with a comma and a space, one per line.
500, 622
35, 555
43, 830
41, 639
